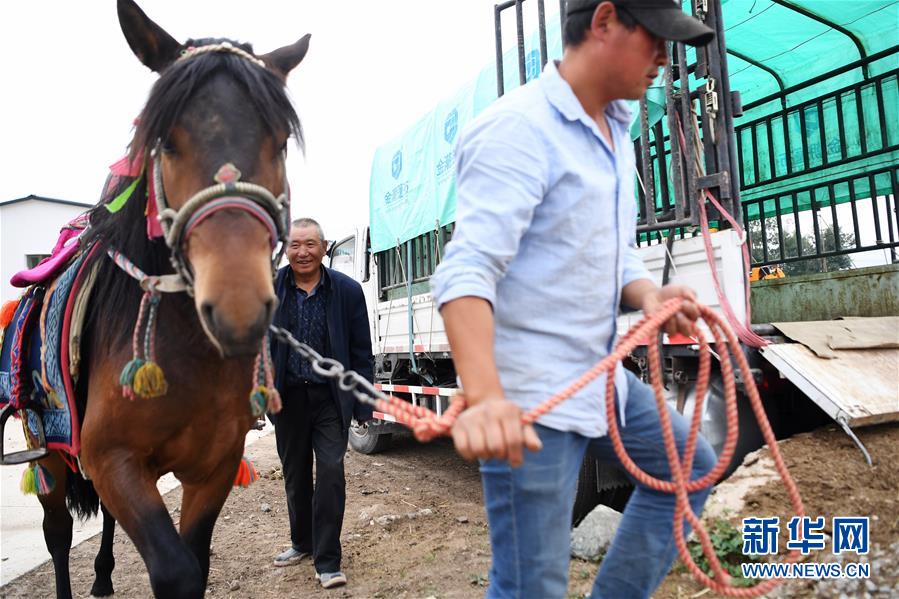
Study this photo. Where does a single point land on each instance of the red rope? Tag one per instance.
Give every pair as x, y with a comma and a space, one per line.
427, 425
744, 328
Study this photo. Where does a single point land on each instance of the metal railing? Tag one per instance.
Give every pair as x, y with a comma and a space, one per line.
846, 215
715, 116
426, 252
769, 138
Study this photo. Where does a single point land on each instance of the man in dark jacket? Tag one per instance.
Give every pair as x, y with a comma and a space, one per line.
326, 310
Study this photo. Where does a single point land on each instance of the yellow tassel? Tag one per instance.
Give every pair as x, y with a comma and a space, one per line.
28, 484
149, 381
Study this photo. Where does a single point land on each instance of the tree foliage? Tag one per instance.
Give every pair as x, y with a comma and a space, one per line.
827, 235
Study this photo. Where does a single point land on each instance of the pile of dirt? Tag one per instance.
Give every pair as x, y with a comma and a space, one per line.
415, 526
833, 480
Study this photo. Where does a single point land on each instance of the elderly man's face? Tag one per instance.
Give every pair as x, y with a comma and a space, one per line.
305, 250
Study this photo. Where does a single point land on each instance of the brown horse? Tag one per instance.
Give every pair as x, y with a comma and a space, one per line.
217, 113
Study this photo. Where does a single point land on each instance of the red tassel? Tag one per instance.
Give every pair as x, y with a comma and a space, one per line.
246, 473
7, 312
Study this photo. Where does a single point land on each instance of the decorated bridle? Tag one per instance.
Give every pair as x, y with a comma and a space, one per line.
229, 192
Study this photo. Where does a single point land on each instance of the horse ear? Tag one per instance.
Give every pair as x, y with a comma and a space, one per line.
149, 42
283, 60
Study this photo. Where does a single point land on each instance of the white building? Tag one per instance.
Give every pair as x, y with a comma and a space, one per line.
29, 228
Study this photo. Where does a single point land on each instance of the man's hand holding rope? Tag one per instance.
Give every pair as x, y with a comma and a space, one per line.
491, 427
651, 299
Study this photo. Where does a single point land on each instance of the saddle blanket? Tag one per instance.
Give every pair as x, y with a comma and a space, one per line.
39, 353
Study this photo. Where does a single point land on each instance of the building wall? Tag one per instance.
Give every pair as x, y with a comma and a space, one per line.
30, 227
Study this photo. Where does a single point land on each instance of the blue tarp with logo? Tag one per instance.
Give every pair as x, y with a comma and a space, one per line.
412, 189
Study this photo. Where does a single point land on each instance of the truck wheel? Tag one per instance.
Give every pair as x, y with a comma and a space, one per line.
366, 439
616, 489
586, 495
749, 434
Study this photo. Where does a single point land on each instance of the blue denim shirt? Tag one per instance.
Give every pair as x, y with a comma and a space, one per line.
308, 322
545, 229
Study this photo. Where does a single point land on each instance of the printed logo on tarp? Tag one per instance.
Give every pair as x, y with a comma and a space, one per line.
532, 65
396, 165
451, 125
806, 534
397, 196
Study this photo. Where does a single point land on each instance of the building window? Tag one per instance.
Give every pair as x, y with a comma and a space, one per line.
32, 260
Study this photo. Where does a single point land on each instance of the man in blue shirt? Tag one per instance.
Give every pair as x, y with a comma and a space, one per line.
541, 259
326, 310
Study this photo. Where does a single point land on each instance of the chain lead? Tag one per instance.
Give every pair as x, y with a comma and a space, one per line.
347, 380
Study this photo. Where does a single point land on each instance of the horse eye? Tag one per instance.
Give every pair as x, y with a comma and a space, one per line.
283, 148
168, 147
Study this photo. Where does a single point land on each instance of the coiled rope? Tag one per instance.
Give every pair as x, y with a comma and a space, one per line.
426, 425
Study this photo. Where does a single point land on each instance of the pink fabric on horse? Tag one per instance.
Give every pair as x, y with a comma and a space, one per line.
65, 248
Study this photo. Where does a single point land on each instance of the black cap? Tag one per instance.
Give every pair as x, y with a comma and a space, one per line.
663, 18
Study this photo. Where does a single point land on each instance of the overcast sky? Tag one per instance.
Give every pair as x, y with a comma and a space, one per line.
72, 87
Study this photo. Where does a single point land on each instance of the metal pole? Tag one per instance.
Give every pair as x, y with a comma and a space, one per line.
649, 193
519, 26
498, 29
541, 25
678, 184
730, 156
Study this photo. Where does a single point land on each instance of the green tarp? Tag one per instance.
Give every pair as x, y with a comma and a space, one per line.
777, 44
412, 189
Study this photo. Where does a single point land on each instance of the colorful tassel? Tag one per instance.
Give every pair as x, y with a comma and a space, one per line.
28, 485
274, 401
246, 473
259, 400
126, 379
37, 480
264, 397
7, 312
142, 376
149, 381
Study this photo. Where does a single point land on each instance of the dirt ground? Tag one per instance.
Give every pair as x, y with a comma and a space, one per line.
415, 526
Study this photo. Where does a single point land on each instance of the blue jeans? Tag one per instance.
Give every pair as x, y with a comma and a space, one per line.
529, 509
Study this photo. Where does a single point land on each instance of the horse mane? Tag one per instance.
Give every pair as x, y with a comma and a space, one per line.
112, 313
179, 81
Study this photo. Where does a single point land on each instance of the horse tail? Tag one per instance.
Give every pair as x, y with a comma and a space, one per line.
81, 497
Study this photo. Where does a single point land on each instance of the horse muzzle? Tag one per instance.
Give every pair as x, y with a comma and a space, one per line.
233, 338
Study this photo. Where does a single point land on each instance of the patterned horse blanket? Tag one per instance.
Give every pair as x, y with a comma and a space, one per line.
39, 357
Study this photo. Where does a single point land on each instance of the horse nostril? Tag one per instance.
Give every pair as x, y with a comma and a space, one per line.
207, 310
270, 306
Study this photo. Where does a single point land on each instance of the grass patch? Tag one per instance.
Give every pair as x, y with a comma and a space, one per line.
727, 540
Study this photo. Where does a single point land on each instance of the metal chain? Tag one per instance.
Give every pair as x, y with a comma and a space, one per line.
347, 380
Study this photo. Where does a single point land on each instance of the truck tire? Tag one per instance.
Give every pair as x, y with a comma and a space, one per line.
586, 495
366, 439
616, 489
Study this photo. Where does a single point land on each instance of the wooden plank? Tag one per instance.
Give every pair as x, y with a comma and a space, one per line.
860, 386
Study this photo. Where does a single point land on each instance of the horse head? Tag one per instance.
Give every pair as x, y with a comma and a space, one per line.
214, 134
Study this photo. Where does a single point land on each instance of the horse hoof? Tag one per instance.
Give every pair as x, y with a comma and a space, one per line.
102, 590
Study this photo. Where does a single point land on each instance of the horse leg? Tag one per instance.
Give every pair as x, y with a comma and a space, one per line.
105, 560
58, 524
200, 507
129, 492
